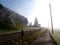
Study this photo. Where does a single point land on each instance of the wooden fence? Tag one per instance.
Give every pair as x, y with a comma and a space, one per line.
4, 39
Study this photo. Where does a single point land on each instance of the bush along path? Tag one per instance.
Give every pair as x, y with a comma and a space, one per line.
44, 39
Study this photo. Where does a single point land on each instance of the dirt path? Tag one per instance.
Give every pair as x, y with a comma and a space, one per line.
44, 39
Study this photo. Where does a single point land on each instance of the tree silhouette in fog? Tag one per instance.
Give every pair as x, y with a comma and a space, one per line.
36, 22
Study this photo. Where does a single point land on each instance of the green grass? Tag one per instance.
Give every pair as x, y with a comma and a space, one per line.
8, 31
57, 39
15, 29
56, 36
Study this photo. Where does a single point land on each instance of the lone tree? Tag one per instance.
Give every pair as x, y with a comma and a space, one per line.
36, 22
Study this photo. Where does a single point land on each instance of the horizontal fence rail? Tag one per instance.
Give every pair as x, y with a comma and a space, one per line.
7, 37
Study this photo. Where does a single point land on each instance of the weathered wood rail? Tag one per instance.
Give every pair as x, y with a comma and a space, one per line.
11, 36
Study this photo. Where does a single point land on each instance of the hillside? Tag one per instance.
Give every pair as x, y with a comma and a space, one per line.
10, 19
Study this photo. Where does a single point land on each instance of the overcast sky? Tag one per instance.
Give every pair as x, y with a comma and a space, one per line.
36, 8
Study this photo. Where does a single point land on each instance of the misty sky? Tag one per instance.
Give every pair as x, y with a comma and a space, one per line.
21, 6
36, 8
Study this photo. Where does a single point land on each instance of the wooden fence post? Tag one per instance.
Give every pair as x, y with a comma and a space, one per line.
22, 34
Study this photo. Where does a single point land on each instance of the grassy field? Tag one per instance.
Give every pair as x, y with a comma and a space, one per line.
5, 31
56, 36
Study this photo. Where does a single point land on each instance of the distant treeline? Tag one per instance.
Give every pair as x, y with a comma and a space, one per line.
10, 19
